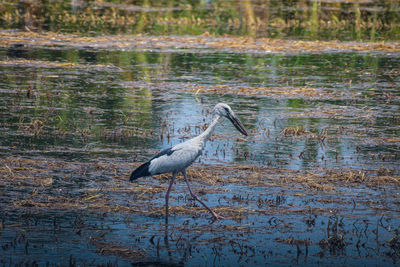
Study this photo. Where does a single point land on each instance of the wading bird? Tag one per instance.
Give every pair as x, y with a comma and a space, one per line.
181, 156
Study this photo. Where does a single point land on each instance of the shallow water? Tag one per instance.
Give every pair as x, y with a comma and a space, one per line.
129, 105
124, 106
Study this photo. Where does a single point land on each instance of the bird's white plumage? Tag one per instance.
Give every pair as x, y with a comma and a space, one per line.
181, 157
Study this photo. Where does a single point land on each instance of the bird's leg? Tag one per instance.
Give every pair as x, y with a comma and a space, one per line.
167, 196
215, 215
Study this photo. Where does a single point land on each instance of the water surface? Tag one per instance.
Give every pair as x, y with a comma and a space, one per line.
129, 105
305, 112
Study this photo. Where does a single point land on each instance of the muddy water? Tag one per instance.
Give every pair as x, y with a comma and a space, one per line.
305, 112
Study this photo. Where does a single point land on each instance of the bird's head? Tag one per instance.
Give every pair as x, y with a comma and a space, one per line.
223, 110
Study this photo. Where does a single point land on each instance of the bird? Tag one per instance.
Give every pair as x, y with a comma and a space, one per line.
178, 158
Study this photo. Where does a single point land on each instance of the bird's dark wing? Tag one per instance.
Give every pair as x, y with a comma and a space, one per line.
167, 151
143, 170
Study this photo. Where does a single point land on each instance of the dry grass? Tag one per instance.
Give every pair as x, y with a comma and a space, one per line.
112, 248
283, 91
54, 64
256, 91
49, 39
31, 184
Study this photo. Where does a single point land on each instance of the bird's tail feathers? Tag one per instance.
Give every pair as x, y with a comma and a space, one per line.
141, 171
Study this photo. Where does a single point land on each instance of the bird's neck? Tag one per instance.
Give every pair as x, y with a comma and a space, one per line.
204, 136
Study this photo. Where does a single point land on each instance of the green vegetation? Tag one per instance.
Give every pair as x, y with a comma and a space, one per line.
301, 19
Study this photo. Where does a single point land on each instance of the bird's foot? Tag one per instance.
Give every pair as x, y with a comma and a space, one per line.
218, 217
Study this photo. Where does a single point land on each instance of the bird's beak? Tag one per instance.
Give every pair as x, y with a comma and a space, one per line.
237, 123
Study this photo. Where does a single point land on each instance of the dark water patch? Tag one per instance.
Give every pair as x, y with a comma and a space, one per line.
281, 217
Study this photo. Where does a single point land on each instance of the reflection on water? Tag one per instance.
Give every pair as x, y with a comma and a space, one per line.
344, 20
129, 105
